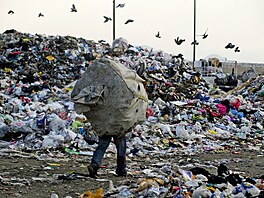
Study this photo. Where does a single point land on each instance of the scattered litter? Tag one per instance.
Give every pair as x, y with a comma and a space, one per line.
185, 116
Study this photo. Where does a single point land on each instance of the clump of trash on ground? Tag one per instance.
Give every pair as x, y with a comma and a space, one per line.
184, 114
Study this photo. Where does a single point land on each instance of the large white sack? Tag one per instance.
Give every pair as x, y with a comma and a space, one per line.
111, 96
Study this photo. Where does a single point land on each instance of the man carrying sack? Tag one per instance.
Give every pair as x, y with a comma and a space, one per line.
113, 99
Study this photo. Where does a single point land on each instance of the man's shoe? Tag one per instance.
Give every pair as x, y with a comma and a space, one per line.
92, 172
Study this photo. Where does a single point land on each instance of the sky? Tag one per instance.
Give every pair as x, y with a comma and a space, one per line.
240, 22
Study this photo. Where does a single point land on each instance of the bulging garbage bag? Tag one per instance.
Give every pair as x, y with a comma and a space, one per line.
111, 96
4, 130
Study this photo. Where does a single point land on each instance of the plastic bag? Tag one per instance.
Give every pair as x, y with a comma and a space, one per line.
90, 137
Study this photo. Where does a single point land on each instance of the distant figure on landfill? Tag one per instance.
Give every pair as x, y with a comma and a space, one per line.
113, 101
120, 46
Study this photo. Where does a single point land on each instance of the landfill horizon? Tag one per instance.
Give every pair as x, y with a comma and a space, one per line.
196, 141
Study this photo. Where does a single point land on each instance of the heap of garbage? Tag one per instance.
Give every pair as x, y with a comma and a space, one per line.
184, 114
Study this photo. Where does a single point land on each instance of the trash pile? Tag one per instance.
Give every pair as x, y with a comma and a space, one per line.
171, 181
185, 114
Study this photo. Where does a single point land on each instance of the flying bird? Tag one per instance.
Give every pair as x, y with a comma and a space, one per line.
107, 19
179, 41
194, 43
205, 35
237, 49
158, 35
73, 9
40, 15
129, 21
120, 5
10, 12
229, 46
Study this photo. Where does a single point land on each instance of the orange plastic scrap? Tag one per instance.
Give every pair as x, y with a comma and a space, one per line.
89, 194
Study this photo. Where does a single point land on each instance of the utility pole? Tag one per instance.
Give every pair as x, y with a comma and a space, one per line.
194, 31
113, 19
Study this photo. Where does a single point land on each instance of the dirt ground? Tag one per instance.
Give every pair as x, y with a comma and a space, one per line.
27, 177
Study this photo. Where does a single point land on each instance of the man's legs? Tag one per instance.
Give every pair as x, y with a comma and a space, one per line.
120, 143
98, 154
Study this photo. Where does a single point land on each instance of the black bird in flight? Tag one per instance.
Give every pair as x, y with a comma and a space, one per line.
40, 15
205, 35
10, 12
237, 49
229, 46
179, 41
73, 9
129, 21
194, 43
158, 35
120, 5
107, 19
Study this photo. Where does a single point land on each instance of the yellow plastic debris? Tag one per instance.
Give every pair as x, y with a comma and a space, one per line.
50, 58
26, 40
7, 70
53, 164
89, 194
212, 132
211, 188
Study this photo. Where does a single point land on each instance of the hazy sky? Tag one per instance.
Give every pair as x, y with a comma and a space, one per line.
238, 21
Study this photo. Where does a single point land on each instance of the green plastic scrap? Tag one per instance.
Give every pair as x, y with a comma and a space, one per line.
72, 152
76, 125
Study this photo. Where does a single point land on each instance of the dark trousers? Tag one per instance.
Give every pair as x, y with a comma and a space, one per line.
103, 144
